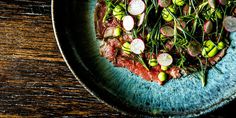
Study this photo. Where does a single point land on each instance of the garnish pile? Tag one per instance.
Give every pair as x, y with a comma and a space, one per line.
163, 39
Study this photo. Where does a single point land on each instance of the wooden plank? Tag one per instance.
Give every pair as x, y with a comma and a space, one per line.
34, 80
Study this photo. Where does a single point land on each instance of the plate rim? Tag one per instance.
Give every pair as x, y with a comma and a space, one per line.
70, 68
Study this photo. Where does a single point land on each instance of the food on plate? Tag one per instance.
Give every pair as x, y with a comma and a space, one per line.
163, 39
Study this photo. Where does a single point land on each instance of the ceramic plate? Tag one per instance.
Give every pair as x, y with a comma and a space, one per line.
73, 22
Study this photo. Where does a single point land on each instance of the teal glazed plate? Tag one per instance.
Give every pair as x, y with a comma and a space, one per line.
73, 22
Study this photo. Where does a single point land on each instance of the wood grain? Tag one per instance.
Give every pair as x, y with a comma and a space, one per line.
34, 79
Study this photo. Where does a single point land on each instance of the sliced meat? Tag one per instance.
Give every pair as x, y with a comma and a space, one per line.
100, 26
100, 11
114, 42
217, 57
113, 23
138, 69
109, 32
109, 49
174, 72
127, 38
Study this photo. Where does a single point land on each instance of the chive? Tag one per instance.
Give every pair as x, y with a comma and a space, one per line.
180, 11
175, 31
126, 5
190, 8
222, 27
108, 11
217, 26
184, 31
135, 33
194, 25
203, 71
154, 2
140, 60
193, 6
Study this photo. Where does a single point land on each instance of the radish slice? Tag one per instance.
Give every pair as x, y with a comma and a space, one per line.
194, 48
164, 3
165, 59
141, 19
136, 7
182, 24
137, 46
223, 2
208, 27
167, 31
128, 23
234, 11
212, 3
229, 23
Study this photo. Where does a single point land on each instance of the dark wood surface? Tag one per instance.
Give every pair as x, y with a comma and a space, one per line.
34, 79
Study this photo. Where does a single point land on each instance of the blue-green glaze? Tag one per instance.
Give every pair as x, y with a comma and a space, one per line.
178, 97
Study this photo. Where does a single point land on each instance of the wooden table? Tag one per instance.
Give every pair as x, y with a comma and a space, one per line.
34, 79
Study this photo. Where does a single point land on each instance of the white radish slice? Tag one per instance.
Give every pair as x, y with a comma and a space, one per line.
136, 7
229, 23
137, 46
141, 19
128, 23
165, 59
